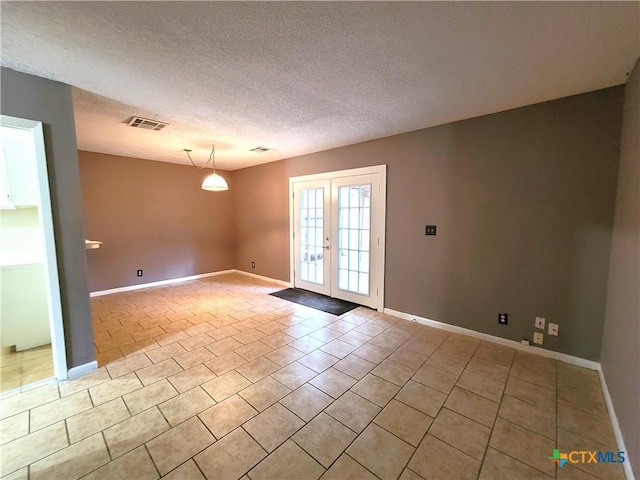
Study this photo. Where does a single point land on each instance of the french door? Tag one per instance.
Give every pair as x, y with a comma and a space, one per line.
338, 234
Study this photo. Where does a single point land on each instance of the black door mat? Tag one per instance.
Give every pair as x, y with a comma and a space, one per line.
315, 300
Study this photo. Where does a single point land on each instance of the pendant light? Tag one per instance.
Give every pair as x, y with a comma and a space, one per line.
214, 182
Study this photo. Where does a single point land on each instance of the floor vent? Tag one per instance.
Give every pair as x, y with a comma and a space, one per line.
146, 123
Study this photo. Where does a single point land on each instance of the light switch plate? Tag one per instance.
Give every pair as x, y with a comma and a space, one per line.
553, 329
538, 338
540, 323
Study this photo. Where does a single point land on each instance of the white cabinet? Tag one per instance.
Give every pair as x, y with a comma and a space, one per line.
18, 170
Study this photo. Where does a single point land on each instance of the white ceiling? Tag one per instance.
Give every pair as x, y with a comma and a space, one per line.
302, 77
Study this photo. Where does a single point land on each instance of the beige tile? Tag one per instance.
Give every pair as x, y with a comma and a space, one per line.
277, 340
105, 392
490, 369
288, 461
128, 365
72, 462
231, 457
496, 353
226, 345
186, 471
574, 376
447, 363
22, 474
191, 378
353, 411
369, 328
227, 416
294, 375
14, 427
307, 344
523, 445
325, 334
30, 448
20, 402
338, 348
528, 416
568, 442
57, 410
473, 406
179, 444
198, 341
408, 474
408, 358
87, 423
590, 401
534, 374
324, 438
393, 372
158, 371
372, 353
149, 396
436, 378
404, 422
422, 398
484, 386
593, 427
264, 393
194, 357
171, 337
375, 389
498, 466
387, 341
435, 459
69, 387
380, 452
257, 369
421, 346
137, 461
318, 361
160, 354
462, 433
185, 405
134, 431
225, 363
224, 332
226, 385
306, 402
249, 336
345, 468
356, 339
531, 393
273, 426
253, 350
569, 472
284, 355
354, 366
333, 382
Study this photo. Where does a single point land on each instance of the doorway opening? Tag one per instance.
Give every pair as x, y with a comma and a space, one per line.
31, 331
337, 225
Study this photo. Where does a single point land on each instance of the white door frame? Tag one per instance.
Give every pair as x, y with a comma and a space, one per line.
54, 302
382, 215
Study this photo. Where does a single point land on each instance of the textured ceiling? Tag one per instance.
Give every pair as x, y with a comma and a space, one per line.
302, 77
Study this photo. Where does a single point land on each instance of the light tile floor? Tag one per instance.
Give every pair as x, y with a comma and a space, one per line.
216, 379
18, 369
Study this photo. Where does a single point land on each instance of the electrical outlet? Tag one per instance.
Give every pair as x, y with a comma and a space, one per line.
139, 273
553, 329
430, 230
253, 264
538, 338
540, 323
503, 318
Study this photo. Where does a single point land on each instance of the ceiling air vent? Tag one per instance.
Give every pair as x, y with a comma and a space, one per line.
145, 123
261, 149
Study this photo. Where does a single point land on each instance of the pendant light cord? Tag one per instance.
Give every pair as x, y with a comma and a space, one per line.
212, 158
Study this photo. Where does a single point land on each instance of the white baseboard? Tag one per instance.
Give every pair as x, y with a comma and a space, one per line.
266, 279
82, 369
615, 424
160, 283
563, 357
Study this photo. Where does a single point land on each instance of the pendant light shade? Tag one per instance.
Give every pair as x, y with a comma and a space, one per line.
214, 183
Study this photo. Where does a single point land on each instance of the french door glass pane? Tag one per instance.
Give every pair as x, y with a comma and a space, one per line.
311, 235
354, 224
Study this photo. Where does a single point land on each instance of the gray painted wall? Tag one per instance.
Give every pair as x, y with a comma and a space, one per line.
523, 201
621, 338
35, 98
